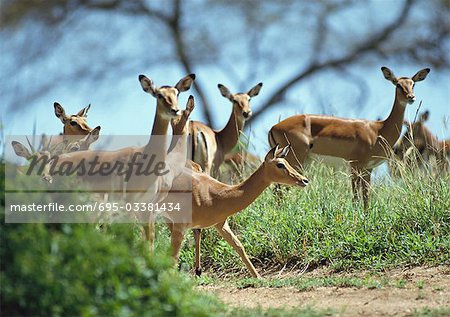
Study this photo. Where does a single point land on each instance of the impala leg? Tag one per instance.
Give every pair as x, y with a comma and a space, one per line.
356, 183
366, 187
225, 231
149, 231
176, 240
198, 240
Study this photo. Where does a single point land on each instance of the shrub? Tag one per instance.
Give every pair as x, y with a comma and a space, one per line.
66, 269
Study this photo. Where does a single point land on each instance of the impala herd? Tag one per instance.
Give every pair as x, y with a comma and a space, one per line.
364, 144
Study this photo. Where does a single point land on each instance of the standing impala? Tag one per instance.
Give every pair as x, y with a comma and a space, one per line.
166, 110
209, 146
363, 143
213, 202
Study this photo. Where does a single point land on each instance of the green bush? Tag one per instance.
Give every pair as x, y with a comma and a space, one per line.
62, 270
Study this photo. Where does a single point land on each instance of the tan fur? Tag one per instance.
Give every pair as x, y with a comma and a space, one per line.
213, 202
363, 143
210, 146
418, 136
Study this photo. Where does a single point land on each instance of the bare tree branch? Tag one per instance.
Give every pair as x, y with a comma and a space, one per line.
364, 48
181, 50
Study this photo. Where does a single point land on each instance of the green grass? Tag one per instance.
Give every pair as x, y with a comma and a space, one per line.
278, 312
432, 312
407, 224
306, 283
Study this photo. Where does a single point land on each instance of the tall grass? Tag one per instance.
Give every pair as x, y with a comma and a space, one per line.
407, 223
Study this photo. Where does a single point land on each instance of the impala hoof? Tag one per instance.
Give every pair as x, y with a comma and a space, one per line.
198, 271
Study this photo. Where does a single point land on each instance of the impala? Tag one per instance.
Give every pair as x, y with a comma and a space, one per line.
363, 143
166, 109
210, 146
418, 136
213, 202
73, 124
46, 151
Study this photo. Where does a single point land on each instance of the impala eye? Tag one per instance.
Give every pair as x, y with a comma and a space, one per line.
280, 165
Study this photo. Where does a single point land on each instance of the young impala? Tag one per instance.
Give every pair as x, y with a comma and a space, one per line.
363, 143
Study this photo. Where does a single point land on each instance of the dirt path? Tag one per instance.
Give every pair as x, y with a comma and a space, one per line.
423, 287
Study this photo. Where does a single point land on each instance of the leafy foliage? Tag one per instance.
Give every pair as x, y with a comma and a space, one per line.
60, 270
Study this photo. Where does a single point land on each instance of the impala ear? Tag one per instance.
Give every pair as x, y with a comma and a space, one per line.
59, 112
272, 153
255, 90
83, 112
93, 136
147, 85
421, 75
424, 116
284, 151
389, 75
224, 91
190, 105
185, 83
20, 150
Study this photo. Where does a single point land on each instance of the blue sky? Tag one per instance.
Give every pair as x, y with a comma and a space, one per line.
121, 107
127, 110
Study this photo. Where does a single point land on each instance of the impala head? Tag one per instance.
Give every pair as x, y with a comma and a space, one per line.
74, 124
34, 155
85, 143
241, 101
418, 132
179, 123
405, 85
167, 96
278, 169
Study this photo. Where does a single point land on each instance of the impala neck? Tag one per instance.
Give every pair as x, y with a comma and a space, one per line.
157, 145
392, 127
229, 135
238, 197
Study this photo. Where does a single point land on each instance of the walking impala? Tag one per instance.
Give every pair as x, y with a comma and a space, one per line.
213, 202
363, 143
210, 146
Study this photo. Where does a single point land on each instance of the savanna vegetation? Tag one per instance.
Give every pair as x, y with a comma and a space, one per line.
60, 269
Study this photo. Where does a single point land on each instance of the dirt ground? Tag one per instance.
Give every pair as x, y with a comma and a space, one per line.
424, 287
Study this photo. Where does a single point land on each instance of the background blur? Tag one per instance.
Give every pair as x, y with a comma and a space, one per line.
312, 56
